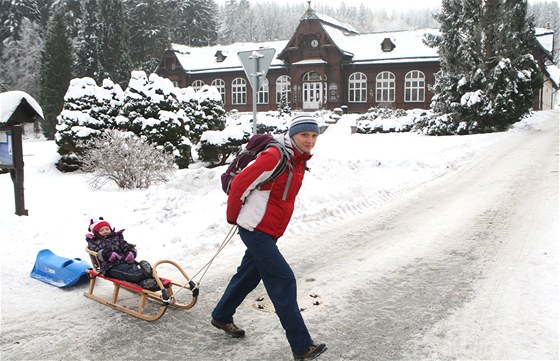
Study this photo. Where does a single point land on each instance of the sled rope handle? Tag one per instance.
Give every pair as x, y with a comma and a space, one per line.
205, 268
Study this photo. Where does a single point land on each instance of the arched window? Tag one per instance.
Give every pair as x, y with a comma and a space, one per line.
311, 76
414, 84
262, 95
385, 87
221, 86
197, 84
238, 91
283, 87
357, 88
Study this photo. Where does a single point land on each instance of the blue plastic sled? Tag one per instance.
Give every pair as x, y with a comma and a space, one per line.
58, 271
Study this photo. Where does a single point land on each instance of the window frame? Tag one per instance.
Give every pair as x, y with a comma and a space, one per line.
385, 83
238, 91
414, 87
357, 88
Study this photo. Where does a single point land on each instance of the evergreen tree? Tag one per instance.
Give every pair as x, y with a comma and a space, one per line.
193, 22
147, 33
88, 42
228, 21
488, 78
56, 72
115, 53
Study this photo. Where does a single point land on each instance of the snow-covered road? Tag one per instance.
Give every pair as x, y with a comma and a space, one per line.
447, 272
461, 267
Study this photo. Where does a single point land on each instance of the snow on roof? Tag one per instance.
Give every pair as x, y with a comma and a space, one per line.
203, 59
545, 38
10, 100
367, 47
409, 47
325, 19
554, 73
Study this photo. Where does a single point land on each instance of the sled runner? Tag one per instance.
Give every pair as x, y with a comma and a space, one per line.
151, 304
58, 271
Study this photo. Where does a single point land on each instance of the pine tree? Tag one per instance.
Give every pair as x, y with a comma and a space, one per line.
193, 22
488, 78
88, 43
56, 72
147, 33
115, 52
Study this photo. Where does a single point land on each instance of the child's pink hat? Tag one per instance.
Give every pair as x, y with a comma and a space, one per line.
95, 225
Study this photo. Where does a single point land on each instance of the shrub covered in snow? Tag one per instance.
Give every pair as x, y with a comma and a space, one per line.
384, 120
88, 110
216, 147
126, 160
151, 107
204, 111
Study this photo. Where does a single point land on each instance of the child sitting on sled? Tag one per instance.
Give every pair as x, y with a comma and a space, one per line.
117, 257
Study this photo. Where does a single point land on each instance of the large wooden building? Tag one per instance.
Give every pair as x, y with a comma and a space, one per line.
325, 65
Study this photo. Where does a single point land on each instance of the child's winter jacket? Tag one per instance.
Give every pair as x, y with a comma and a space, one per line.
104, 247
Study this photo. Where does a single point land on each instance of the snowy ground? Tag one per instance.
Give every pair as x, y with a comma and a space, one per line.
438, 248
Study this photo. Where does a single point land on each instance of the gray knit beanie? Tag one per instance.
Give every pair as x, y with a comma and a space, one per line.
303, 123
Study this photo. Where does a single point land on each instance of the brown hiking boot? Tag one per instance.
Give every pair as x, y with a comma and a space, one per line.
229, 328
314, 351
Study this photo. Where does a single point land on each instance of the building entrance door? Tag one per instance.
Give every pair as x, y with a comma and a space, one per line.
312, 95
312, 91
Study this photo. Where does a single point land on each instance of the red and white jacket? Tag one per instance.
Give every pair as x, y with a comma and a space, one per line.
262, 208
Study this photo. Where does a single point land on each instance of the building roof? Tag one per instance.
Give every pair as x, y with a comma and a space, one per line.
408, 47
359, 48
203, 59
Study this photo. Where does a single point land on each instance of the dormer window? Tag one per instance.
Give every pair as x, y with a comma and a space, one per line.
387, 45
220, 57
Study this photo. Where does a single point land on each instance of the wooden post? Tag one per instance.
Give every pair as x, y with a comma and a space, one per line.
17, 172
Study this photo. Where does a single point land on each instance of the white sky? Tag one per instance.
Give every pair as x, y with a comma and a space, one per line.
387, 4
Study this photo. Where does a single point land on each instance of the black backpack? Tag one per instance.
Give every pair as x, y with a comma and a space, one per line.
257, 143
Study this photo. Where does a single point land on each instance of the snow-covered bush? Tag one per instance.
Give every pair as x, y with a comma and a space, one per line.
154, 109
126, 160
204, 110
384, 120
88, 110
438, 125
216, 146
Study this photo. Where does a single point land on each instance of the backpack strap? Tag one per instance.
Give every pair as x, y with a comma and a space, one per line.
282, 166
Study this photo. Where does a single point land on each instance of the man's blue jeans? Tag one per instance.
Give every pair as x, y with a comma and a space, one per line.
263, 260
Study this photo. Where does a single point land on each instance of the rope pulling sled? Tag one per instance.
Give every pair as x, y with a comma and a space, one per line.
169, 290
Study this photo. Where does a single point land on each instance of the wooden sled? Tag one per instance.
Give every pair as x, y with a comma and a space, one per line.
157, 300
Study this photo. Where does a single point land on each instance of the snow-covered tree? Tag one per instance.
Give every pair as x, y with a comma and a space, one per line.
56, 72
88, 111
283, 107
115, 52
88, 42
148, 34
488, 78
192, 22
22, 59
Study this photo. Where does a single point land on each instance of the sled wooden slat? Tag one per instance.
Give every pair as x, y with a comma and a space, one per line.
168, 286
